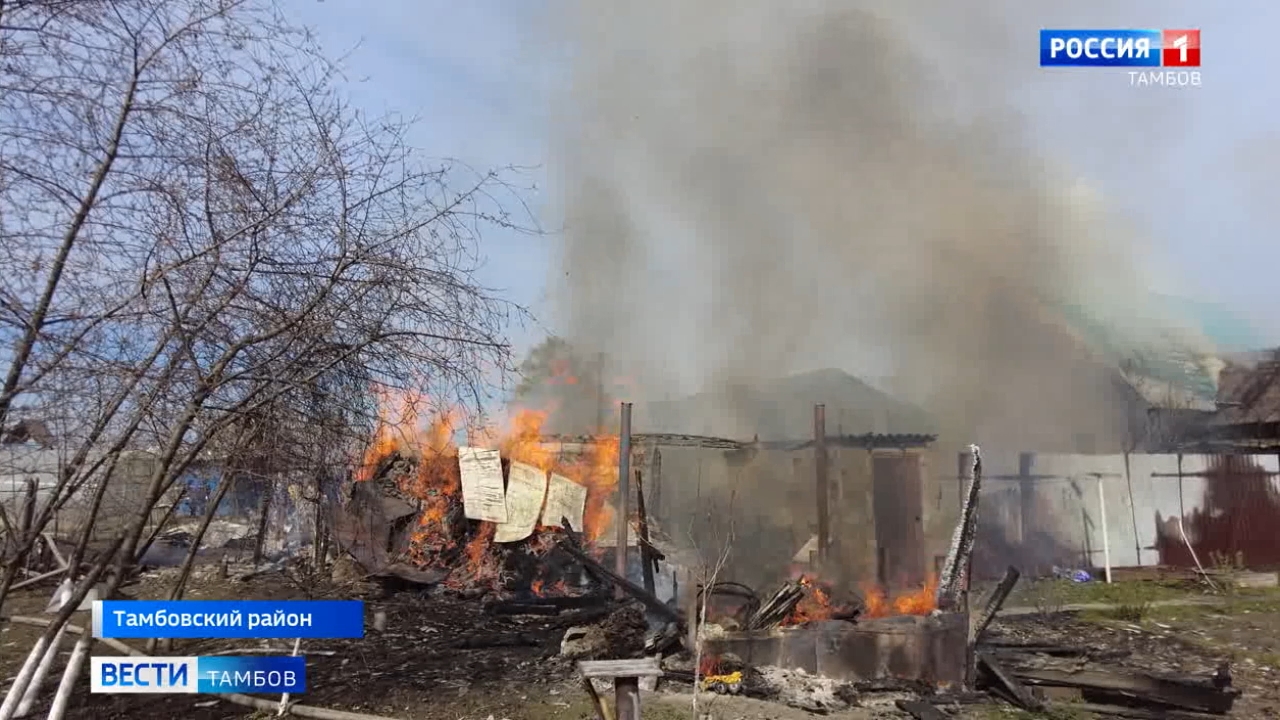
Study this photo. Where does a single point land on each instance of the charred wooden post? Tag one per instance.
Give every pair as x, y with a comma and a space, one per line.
624, 494
689, 601
602, 711
647, 558
1016, 691
820, 465
624, 586
921, 710
994, 602
655, 481
953, 570
625, 675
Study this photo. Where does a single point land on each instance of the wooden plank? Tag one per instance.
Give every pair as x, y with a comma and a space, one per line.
1021, 696
1132, 712
602, 710
921, 710
994, 602
649, 599
1200, 696
634, 668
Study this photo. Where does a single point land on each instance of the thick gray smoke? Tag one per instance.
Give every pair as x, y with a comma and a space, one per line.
758, 188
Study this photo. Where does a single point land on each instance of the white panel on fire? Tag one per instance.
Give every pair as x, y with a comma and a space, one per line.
565, 499
483, 497
526, 488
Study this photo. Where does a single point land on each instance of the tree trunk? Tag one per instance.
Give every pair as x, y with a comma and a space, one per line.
24, 536
184, 574
264, 512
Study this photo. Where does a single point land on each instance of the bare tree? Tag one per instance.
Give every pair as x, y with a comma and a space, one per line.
196, 228
714, 551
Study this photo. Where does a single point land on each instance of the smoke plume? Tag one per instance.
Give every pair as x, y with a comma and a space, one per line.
757, 188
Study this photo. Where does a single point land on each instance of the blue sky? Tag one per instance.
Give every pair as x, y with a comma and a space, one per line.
1192, 170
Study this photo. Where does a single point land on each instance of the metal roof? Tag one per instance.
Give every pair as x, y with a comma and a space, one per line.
871, 441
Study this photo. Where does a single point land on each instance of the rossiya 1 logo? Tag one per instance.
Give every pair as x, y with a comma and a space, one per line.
1168, 58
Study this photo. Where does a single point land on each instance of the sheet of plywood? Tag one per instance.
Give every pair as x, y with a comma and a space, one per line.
483, 497
565, 499
526, 489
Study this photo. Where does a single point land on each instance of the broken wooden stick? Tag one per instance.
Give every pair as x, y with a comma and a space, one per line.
921, 710
1130, 712
650, 600
572, 540
995, 601
39, 578
53, 548
482, 641
647, 561
602, 710
284, 697
779, 605
518, 608
1006, 682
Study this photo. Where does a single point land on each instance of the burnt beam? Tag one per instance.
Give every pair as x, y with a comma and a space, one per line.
921, 710
950, 586
648, 560
994, 602
1187, 694
1006, 682
1134, 713
624, 585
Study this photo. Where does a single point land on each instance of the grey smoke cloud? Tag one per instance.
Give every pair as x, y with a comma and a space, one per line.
758, 188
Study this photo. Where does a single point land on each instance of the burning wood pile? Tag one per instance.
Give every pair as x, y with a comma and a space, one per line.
484, 518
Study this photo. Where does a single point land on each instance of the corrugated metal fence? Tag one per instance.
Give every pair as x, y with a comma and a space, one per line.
1039, 511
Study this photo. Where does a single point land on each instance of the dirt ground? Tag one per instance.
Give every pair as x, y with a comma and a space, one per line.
413, 671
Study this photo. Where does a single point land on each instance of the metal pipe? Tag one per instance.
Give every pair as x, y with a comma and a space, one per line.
624, 494
820, 467
1102, 523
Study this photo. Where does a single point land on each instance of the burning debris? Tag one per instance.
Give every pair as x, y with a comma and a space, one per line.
799, 602
488, 516
513, 519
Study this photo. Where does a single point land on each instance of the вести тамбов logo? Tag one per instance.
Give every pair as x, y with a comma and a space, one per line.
1164, 58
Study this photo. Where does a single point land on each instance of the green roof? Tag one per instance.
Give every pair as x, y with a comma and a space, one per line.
1158, 355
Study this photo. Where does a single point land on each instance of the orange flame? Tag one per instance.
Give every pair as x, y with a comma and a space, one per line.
541, 588
709, 665
437, 483
815, 605
920, 601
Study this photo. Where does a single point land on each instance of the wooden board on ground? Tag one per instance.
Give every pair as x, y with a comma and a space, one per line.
483, 496
639, 667
526, 489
